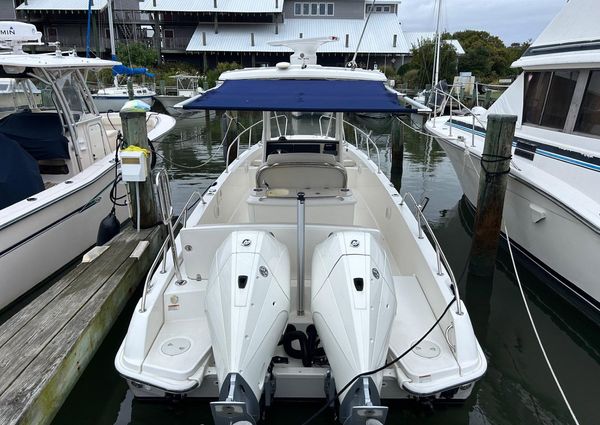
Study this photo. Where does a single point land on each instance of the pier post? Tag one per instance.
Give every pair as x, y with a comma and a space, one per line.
493, 178
135, 134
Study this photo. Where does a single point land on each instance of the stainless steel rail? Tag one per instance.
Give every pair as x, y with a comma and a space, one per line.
441, 258
170, 240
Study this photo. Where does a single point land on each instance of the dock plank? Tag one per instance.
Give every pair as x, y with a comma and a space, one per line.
51, 365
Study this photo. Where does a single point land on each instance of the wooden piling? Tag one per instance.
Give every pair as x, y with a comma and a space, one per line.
45, 347
135, 134
493, 177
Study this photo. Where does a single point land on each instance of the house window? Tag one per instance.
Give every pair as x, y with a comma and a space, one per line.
548, 97
588, 119
313, 9
169, 33
52, 33
385, 9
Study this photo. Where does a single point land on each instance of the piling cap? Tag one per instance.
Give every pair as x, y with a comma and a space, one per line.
135, 106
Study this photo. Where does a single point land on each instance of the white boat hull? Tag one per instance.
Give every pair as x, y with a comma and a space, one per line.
115, 103
550, 234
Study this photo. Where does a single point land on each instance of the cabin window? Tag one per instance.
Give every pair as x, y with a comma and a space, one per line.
548, 97
588, 120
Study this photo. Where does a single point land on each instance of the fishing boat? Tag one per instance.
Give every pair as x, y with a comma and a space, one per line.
301, 273
14, 96
552, 204
112, 99
186, 86
57, 163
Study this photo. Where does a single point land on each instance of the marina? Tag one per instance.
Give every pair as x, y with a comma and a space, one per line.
366, 227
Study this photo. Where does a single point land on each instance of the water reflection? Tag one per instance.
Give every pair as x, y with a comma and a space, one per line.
517, 388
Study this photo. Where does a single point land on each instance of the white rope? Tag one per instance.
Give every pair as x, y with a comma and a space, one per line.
537, 335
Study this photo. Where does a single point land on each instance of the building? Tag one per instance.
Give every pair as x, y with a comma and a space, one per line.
206, 32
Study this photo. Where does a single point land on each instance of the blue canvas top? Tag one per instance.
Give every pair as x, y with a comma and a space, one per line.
299, 95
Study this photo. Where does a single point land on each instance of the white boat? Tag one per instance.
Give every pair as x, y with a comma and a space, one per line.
112, 99
14, 96
186, 86
301, 239
58, 164
552, 204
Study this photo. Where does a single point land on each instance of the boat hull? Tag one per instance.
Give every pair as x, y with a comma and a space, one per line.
115, 103
55, 231
566, 262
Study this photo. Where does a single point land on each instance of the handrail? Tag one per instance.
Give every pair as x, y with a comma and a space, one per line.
441, 257
460, 104
162, 253
236, 141
368, 139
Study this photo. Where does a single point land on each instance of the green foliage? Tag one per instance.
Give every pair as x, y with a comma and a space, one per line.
212, 75
422, 63
166, 70
137, 55
389, 71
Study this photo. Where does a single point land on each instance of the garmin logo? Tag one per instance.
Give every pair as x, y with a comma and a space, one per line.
10, 31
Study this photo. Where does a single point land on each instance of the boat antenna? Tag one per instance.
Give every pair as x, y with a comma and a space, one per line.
438, 36
352, 63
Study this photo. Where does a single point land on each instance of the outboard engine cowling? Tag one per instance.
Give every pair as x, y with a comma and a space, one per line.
247, 305
353, 306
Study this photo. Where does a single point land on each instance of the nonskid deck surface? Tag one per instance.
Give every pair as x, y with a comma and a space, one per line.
182, 347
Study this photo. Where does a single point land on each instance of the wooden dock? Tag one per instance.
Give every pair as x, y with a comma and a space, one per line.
46, 346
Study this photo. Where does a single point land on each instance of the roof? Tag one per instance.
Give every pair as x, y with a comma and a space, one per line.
378, 37
414, 38
61, 5
225, 6
52, 61
572, 38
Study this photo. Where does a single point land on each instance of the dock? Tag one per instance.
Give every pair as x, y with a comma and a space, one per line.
46, 346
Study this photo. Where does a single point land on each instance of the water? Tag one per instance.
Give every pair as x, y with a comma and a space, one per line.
517, 389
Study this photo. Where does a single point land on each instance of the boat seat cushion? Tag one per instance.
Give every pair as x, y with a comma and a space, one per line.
39, 133
301, 171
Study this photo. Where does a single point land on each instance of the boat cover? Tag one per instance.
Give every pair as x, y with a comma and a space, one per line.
19, 173
299, 95
40, 134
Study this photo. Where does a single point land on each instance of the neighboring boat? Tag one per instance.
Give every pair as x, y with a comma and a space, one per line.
301, 268
57, 165
186, 86
552, 205
14, 96
112, 99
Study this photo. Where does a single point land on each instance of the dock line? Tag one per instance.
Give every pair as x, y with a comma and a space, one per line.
537, 335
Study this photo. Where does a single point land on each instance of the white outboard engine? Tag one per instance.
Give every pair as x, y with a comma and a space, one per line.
247, 305
353, 306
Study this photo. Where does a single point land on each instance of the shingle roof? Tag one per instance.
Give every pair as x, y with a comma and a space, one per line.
378, 38
236, 6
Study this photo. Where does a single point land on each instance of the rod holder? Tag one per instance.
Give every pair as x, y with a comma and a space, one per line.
300, 249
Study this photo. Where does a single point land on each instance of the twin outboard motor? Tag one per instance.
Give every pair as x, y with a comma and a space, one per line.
354, 306
247, 306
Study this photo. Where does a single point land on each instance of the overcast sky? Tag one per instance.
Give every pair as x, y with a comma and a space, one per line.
511, 20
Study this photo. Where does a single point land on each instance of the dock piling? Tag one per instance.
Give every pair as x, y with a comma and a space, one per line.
135, 134
493, 178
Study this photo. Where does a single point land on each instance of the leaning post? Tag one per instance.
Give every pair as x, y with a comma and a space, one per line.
133, 121
493, 177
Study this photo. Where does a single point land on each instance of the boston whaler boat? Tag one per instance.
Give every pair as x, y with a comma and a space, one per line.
552, 205
301, 273
57, 164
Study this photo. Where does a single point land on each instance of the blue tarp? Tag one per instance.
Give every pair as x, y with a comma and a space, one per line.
125, 70
299, 95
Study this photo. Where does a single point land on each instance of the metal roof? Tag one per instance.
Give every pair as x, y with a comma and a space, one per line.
224, 6
414, 38
65, 5
378, 38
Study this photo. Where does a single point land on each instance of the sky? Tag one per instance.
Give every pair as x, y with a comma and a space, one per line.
511, 20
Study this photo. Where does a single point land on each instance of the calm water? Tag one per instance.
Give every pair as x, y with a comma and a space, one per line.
517, 389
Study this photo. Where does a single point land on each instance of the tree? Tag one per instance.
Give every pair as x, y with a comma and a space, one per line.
422, 62
136, 54
212, 75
